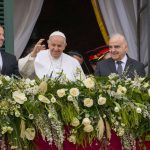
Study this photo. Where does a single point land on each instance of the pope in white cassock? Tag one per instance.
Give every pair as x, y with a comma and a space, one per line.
53, 62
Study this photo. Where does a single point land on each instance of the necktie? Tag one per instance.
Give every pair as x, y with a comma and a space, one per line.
119, 69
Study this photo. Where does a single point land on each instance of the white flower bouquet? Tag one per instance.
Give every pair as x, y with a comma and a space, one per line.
90, 109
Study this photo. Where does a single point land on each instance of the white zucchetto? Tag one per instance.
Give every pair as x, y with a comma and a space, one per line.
57, 33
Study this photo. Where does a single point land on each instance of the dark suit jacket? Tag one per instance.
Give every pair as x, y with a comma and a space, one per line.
10, 64
106, 67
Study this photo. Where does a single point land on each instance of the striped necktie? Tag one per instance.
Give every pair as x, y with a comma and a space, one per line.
119, 69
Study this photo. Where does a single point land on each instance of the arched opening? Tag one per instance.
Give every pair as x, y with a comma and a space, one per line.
75, 18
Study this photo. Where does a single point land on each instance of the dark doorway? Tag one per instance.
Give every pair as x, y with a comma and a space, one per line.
75, 18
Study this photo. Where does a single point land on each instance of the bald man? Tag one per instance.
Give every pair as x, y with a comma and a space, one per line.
119, 62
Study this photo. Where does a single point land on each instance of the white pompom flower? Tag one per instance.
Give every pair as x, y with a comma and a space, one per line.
101, 100
89, 83
74, 92
61, 92
88, 102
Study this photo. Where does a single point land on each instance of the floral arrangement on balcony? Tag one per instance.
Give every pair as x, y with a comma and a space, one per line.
90, 109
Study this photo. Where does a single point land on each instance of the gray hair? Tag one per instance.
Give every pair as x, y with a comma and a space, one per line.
118, 35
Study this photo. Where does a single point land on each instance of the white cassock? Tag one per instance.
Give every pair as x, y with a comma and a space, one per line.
46, 65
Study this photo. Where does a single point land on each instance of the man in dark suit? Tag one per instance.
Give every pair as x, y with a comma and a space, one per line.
119, 61
8, 62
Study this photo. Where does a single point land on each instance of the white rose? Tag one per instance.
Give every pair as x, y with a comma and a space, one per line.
61, 93
75, 122
88, 128
30, 133
86, 121
19, 97
72, 139
121, 90
1, 82
149, 92
88, 102
74, 92
138, 110
53, 99
89, 83
7, 78
101, 100
116, 109
70, 98
43, 99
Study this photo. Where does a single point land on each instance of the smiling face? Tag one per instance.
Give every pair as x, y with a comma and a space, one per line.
56, 44
1, 36
117, 47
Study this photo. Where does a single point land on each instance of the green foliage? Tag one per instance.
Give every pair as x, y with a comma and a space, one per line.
29, 106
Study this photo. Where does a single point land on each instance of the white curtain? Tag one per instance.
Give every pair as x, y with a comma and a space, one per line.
26, 13
144, 33
121, 16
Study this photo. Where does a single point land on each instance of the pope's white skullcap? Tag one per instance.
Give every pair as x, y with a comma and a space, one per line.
57, 33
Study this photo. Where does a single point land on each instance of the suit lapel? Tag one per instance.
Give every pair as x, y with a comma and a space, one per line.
128, 64
112, 67
3, 61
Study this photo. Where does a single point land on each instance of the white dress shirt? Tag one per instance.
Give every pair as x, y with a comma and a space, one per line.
1, 62
124, 61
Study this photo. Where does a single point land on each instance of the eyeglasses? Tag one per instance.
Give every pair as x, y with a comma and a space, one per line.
114, 46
